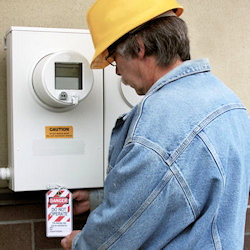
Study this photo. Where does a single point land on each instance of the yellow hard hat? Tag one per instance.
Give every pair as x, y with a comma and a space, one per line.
109, 20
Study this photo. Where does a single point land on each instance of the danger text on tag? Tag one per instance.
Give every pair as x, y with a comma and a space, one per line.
58, 200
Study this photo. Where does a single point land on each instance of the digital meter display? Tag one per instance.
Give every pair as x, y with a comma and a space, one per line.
68, 76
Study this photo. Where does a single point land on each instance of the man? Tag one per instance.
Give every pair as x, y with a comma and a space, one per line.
178, 175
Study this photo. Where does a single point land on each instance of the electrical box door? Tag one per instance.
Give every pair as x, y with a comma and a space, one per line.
55, 110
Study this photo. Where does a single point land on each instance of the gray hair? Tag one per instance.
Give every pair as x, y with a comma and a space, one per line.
166, 38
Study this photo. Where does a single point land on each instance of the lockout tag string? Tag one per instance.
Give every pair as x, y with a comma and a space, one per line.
55, 186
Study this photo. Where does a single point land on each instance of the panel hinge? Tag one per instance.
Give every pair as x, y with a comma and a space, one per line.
5, 42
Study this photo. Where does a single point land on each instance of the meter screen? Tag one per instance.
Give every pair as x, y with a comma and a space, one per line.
68, 75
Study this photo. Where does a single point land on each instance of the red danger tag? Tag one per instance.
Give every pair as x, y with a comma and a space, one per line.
58, 213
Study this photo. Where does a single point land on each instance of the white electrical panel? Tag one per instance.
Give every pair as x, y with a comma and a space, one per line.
55, 110
60, 112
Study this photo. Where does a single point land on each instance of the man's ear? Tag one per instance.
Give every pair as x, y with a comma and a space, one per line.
141, 50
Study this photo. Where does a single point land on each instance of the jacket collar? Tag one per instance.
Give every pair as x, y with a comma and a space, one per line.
189, 67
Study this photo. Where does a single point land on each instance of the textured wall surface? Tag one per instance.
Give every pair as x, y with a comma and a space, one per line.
218, 29
22, 222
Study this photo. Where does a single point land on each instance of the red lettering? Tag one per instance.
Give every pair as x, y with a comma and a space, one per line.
58, 200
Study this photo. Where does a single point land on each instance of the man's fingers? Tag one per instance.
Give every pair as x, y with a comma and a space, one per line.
81, 207
81, 195
65, 244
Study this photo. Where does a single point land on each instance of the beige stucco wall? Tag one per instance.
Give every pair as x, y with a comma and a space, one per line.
219, 29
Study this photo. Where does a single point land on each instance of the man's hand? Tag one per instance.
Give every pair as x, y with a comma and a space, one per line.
81, 205
81, 201
67, 241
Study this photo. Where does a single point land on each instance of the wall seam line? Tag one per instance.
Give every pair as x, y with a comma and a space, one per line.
21, 221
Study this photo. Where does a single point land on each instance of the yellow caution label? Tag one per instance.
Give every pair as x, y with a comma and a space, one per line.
58, 132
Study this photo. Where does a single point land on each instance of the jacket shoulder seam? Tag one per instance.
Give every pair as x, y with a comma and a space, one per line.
175, 171
174, 156
203, 136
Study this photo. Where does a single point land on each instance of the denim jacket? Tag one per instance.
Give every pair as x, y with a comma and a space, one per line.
178, 175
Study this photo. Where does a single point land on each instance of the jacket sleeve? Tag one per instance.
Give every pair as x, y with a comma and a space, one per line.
95, 198
140, 194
